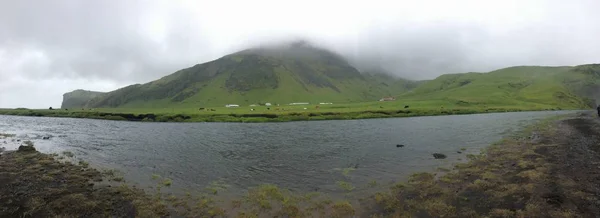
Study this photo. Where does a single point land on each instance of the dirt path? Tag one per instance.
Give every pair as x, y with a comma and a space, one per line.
576, 165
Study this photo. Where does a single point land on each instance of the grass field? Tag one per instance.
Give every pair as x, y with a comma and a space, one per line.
404, 107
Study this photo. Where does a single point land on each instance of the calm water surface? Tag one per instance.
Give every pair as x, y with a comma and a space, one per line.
302, 156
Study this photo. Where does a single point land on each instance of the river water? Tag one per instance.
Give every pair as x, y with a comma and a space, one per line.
301, 156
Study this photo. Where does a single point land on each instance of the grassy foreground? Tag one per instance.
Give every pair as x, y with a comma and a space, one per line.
404, 108
549, 170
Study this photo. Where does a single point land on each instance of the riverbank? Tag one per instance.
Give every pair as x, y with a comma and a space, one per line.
549, 170
45, 185
256, 117
41, 185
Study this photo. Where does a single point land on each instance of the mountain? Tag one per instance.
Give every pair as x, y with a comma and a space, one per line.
395, 85
296, 72
300, 72
531, 86
78, 98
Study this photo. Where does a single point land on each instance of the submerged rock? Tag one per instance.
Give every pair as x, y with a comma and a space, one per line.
399, 146
26, 148
46, 137
439, 156
460, 152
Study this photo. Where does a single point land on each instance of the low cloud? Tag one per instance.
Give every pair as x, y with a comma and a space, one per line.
51, 47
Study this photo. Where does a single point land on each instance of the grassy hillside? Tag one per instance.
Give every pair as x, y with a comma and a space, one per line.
395, 85
299, 72
78, 98
584, 81
281, 75
523, 86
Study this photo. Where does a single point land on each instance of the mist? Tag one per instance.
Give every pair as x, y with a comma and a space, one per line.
48, 48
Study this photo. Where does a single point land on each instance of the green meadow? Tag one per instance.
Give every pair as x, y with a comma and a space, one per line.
399, 108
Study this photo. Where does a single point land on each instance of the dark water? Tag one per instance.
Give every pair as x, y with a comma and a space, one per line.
303, 156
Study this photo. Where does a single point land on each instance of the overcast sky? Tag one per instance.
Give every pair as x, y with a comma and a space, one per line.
48, 48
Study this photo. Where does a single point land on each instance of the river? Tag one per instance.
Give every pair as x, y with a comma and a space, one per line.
300, 156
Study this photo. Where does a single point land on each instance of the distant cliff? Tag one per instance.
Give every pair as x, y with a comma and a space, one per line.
78, 98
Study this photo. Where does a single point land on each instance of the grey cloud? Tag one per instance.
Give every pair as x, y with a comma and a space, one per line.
94, 39
113, 43
419, 53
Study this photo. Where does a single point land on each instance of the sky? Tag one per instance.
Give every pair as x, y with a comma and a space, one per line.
48, 48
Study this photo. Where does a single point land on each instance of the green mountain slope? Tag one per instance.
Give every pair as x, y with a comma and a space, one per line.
395, 85
283, 75
78, 98
299, 72
528, 86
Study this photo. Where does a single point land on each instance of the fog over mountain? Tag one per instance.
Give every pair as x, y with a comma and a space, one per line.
48, 48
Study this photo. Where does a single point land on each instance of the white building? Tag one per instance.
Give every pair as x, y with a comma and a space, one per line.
299, 103
232, 105
267, 104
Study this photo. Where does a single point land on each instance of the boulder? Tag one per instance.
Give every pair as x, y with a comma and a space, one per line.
439, 156
26, 148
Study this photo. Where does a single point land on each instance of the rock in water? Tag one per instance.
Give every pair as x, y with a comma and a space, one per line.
26, 148
46, 137
460, 152
399, 146
439, 156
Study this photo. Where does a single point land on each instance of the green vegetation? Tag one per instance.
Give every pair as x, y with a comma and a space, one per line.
443, 169
523, 87
347, 171
300, 73
68, 154
78, 98
278, 114
36, 185
167, 182
345, 185
510, 89
5, 135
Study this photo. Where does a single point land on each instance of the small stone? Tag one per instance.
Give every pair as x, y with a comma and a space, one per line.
439, 156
